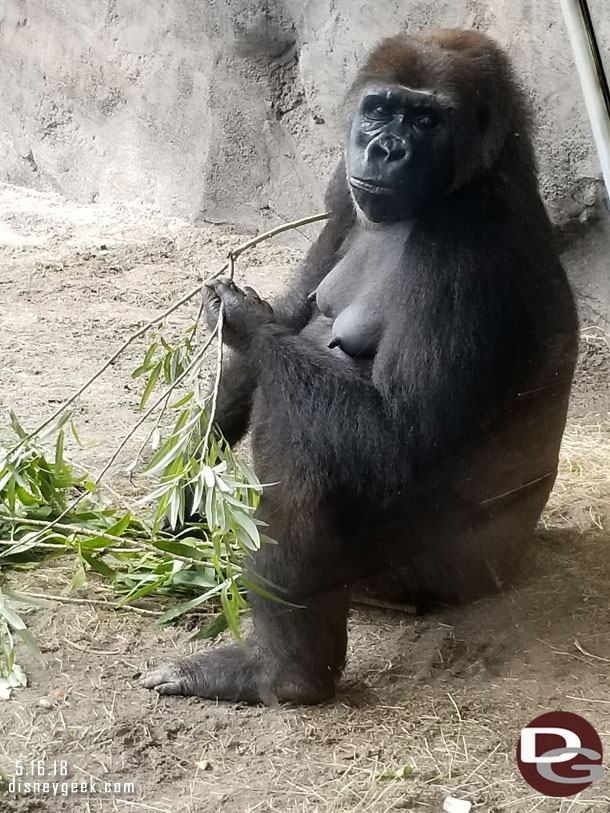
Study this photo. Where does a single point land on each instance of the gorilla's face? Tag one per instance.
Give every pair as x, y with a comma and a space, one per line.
399, 152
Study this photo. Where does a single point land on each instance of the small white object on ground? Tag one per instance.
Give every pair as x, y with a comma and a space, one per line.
16, 680
453, 805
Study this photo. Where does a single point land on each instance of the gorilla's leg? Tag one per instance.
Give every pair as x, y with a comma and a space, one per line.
299, 643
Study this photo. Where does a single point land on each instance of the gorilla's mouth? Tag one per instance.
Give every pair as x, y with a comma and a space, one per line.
375, 187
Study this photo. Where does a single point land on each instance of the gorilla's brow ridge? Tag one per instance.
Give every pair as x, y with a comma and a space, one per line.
442, 98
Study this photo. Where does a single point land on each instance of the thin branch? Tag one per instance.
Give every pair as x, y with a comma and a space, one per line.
212, 416
295, 224
99, 602
128, 436
581, 648
62, 407
229, 265
182, 301
163, 397
219, 328
154, 427
11, 543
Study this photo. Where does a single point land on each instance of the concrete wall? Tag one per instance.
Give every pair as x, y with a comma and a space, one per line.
230, 109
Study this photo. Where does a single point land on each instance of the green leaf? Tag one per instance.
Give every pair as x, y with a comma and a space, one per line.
175, 367
180, 609
53, 428
76, 435
19, 547
179, 548
176, 507
17, 428
78, 579
150, 384
25, 498
14, 620
249, 526
59, 453
167, 346
211, 630
167, 372
143, 591
119, 528
405, 772
267, 594
230, 606
147, 363
183, 401
28, 639
95, 563
203, 578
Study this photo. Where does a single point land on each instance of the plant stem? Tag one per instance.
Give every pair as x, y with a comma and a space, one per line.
182, 301
10, 543
96, 601
211, 417
62, 407
55, 523
229, 265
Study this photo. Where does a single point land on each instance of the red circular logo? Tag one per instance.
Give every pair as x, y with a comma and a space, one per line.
560, 754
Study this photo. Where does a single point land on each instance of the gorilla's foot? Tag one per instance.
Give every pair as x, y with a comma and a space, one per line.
237, 673
223, 674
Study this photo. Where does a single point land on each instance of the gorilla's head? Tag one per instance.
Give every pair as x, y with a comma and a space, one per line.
430, 112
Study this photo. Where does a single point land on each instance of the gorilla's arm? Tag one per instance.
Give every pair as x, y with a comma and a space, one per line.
292, 311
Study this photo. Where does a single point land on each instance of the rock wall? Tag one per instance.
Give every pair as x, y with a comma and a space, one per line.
230, 110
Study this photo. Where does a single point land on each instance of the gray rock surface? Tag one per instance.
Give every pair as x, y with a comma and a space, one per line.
230, 110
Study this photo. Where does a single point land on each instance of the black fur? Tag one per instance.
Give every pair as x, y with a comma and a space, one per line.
420, 471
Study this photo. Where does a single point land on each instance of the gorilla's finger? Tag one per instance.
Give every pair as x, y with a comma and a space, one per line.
211, 299
231, 296
229, 283
211, 307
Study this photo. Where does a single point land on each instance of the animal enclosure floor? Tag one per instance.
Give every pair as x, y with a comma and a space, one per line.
445, 694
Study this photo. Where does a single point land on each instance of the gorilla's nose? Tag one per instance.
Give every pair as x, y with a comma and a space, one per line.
388, 147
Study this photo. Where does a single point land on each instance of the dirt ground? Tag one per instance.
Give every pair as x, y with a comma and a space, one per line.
445, 694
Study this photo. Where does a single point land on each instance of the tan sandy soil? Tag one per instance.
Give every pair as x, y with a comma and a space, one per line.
445, 694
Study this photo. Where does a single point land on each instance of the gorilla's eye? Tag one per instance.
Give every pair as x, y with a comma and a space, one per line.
425, 121
378, 110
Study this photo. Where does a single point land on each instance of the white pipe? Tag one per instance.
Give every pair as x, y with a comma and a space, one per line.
594, 99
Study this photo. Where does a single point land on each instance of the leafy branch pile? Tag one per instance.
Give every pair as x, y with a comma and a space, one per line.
198, 486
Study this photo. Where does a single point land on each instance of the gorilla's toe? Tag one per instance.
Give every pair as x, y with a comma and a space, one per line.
170, 679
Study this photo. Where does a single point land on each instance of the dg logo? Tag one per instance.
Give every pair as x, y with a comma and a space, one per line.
560, 754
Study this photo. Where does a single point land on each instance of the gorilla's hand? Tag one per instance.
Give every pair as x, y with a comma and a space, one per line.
244, 311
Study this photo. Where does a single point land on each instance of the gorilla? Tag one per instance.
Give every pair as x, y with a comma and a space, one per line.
408, 395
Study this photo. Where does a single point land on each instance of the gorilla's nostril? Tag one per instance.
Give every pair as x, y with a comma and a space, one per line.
396, 153
388, 148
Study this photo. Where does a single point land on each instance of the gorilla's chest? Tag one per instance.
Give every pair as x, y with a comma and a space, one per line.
353, 297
